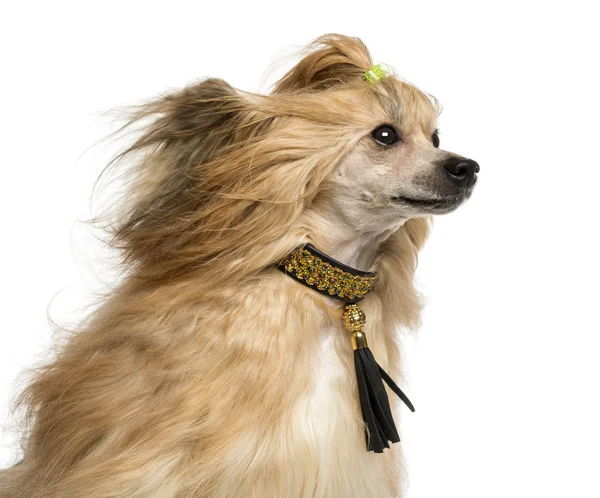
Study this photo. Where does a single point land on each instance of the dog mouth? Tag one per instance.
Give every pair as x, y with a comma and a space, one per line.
431, 205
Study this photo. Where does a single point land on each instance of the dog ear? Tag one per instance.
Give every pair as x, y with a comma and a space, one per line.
199, 117
332, 60
169, 184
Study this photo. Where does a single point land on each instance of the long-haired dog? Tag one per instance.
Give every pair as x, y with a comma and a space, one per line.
206, 372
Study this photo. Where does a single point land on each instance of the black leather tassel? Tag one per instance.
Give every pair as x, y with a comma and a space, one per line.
374, 403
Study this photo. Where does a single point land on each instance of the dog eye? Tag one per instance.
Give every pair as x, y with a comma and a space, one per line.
385, 135
435, 138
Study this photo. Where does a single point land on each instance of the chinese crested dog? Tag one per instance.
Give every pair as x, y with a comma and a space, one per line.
207, 371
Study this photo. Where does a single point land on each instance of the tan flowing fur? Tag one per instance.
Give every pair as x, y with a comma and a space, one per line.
191, 378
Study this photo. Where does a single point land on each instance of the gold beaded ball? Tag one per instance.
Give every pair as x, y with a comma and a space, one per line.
354, 318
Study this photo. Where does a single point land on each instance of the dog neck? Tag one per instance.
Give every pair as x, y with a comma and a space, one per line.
359, 250
350, 242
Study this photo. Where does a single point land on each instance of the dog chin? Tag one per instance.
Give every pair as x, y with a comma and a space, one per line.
431, 205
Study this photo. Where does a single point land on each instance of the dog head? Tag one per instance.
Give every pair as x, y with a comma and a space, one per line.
220, 177
395, 169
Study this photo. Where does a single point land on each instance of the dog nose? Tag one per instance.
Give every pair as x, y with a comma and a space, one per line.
462, 170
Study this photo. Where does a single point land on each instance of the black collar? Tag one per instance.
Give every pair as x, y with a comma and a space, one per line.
315, 269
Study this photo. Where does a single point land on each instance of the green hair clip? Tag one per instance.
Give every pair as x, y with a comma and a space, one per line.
376, 72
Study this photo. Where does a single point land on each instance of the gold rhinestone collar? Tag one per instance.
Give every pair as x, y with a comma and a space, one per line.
315, 269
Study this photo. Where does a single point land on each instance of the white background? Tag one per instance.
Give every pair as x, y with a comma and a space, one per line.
504, 371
